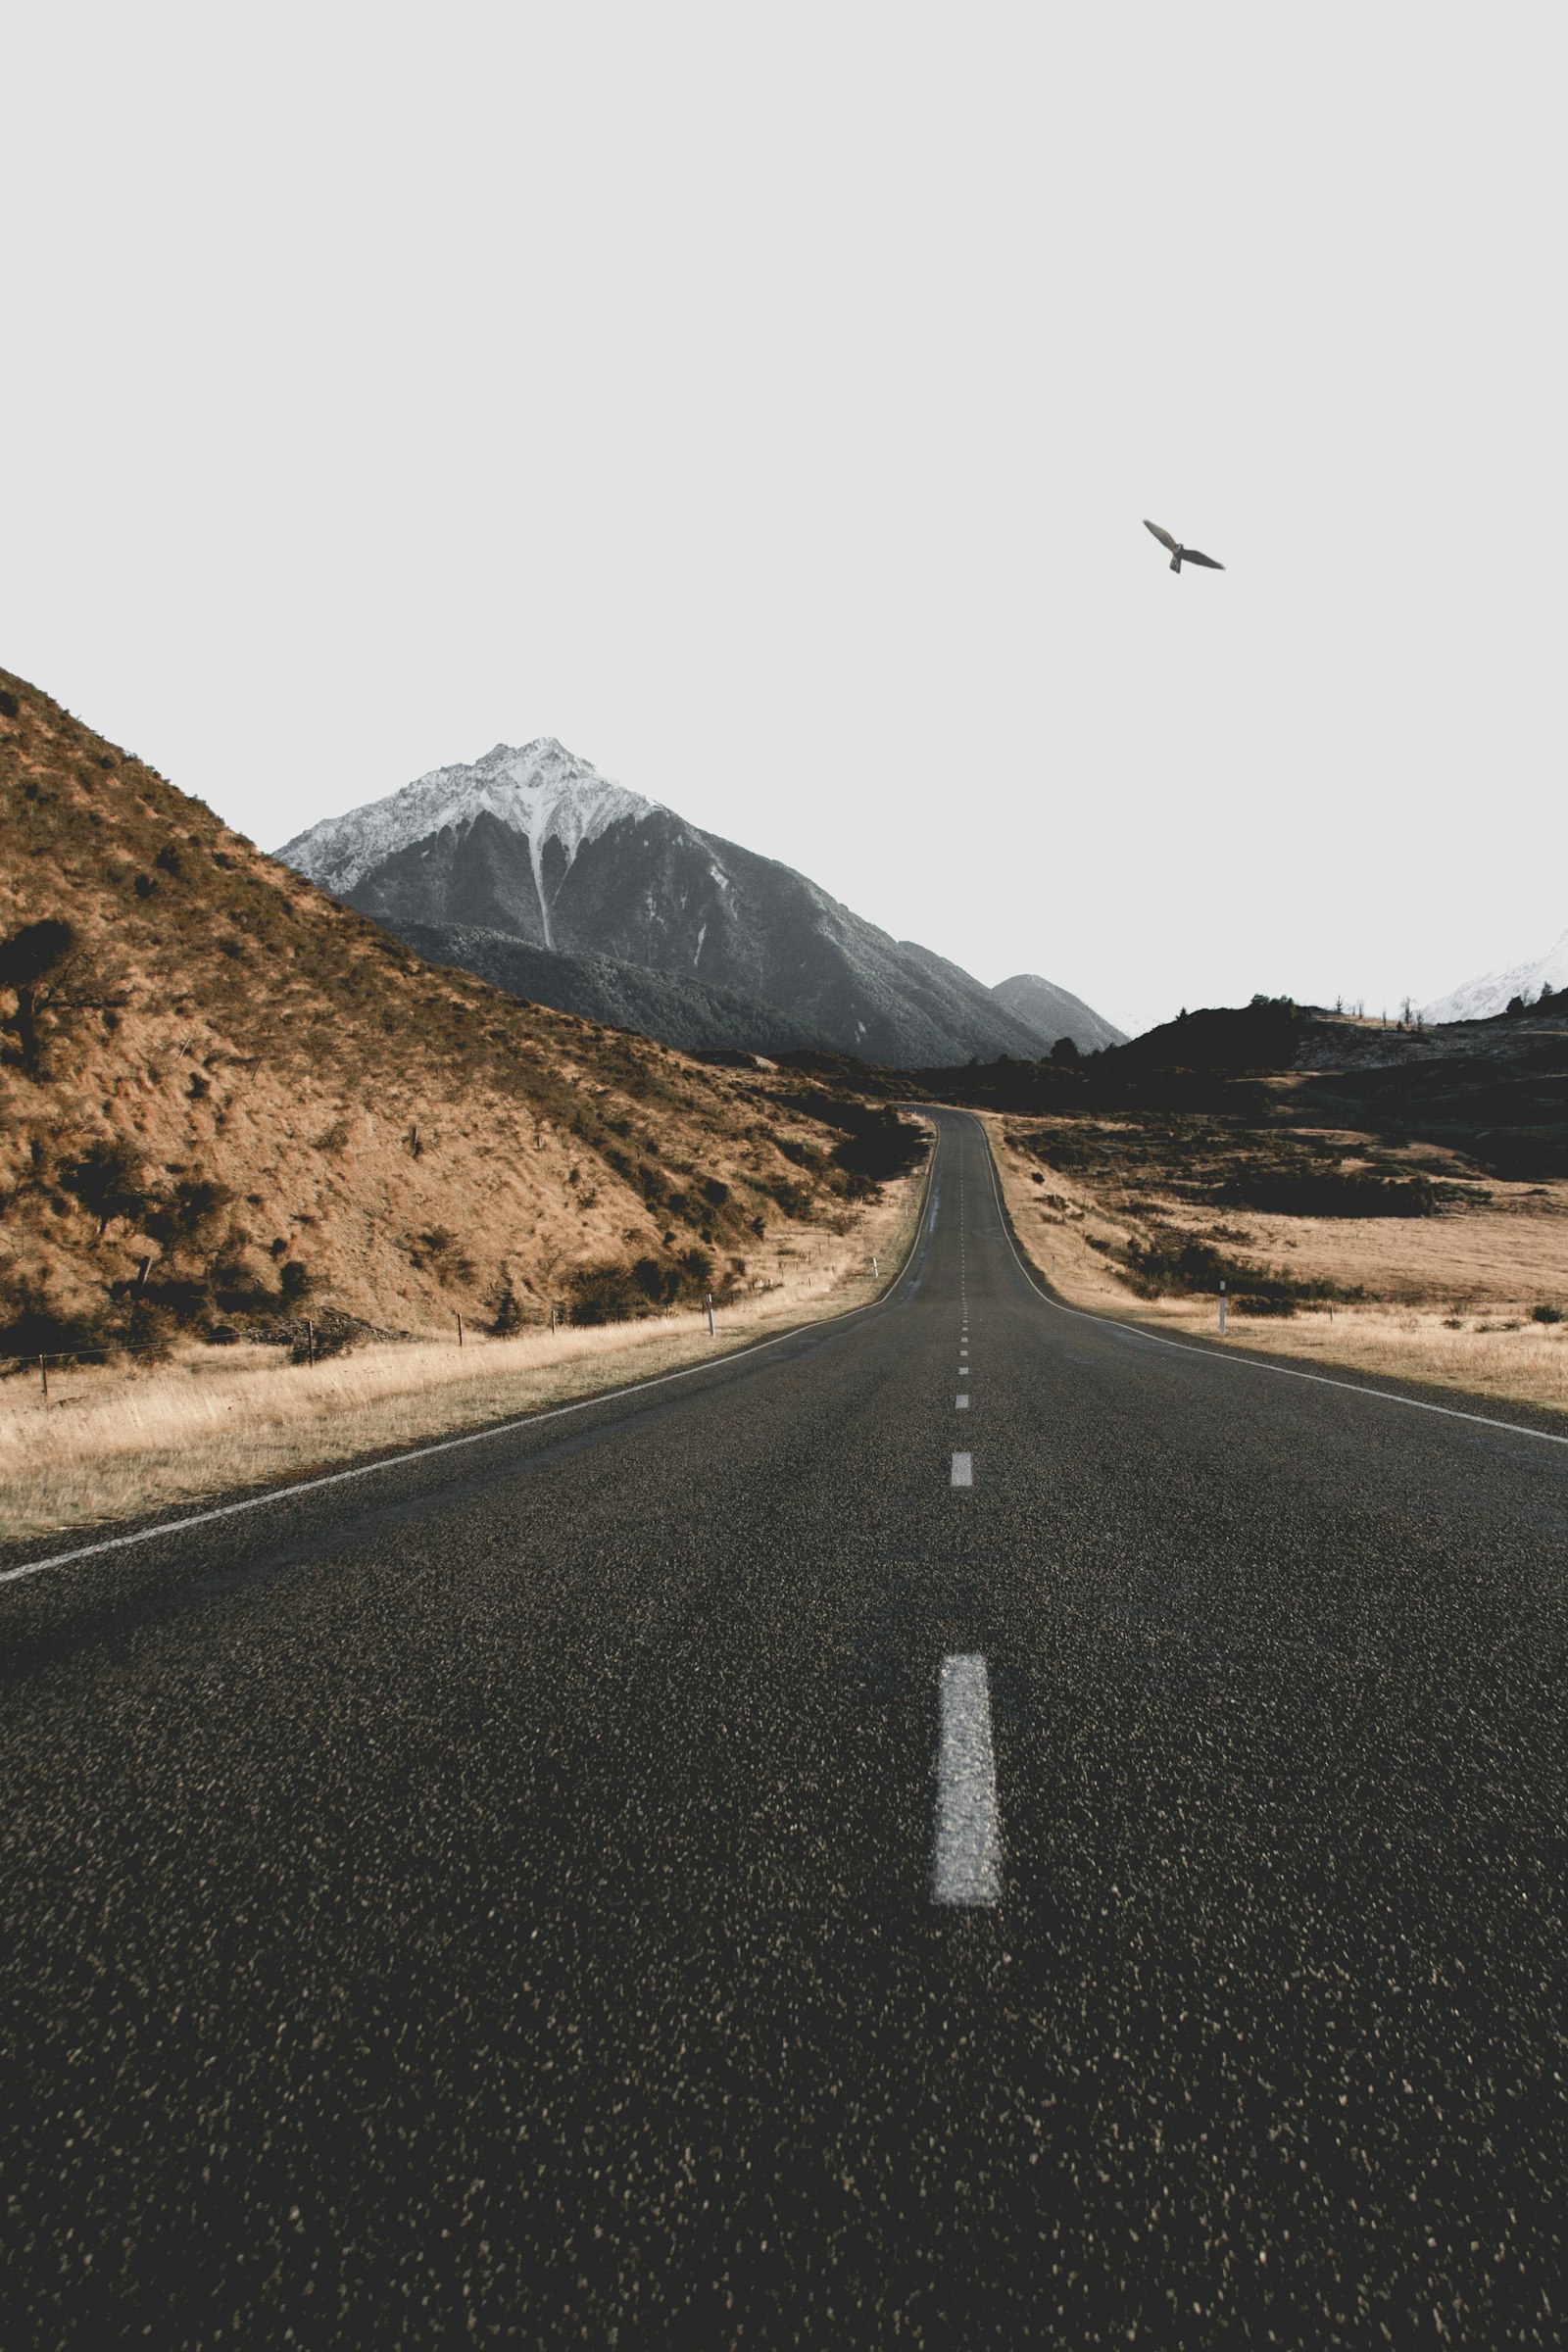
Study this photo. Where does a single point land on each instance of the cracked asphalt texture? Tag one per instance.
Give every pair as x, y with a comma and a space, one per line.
491, 1899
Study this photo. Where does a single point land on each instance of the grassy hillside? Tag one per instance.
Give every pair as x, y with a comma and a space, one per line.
224, 1097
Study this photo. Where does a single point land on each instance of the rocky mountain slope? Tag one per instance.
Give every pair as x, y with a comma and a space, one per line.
538, 845
602, 988
1492, 991
1052, 1013
224, 1096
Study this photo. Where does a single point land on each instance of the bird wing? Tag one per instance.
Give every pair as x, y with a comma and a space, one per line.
1164, 538
1190, 554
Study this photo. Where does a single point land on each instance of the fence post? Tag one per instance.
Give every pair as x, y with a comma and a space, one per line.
459, 1331
309, 1340
1222, 1309
710, 1314
43, 1374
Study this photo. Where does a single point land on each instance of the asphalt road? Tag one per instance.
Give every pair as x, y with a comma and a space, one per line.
499, 1897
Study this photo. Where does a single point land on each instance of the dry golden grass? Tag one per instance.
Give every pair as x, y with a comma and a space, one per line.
1484, 1265
111, 1445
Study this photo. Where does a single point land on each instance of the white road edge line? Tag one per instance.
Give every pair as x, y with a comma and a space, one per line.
967, 1851
1250, 1363
963, 1470
470, 1436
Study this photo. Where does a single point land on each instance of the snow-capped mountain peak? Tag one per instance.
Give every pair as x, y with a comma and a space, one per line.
539, 790
531, 849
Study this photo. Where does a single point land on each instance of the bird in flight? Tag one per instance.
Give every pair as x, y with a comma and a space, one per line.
1179, 553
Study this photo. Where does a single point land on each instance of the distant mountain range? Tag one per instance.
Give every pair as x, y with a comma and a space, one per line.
534, 870
1493, 992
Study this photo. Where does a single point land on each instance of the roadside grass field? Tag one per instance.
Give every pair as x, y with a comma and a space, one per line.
1450, 1297
113, 1443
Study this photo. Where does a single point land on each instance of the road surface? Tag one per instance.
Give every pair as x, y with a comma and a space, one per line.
789, 1856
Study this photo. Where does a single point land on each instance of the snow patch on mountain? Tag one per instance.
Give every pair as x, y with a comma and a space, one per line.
539, 790
1478, 1000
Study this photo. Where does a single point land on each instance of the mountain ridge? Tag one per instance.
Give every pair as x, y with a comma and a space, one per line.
535, 843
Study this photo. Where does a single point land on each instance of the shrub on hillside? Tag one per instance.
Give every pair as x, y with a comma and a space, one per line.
795, 1200
606, 1293
439, 1252
188, 1214
507, 1316
617, 1290
1174, 1265
109, 1180
52, 981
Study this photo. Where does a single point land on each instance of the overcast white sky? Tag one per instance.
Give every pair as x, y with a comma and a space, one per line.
765, 401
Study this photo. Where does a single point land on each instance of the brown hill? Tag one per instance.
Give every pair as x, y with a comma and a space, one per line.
223, 1096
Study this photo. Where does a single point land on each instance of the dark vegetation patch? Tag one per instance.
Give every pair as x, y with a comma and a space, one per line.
1233, 1163
622, 1290
1330, 1192
872, 1145
1176, 1264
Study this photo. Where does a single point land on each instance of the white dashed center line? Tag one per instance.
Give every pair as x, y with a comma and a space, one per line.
962, 1403
962, 1470
967, 1860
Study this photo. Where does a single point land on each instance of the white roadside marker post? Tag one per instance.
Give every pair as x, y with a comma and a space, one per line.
710, 1314
1222, 1310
